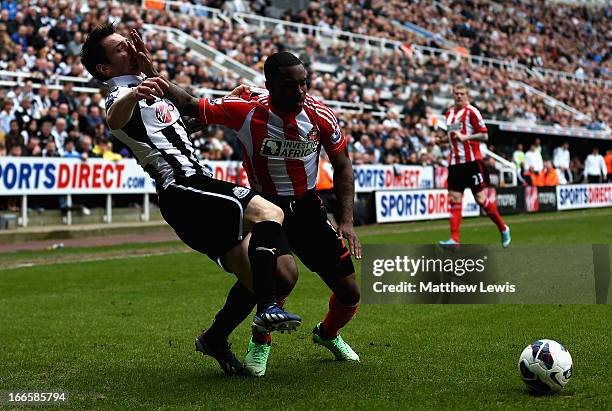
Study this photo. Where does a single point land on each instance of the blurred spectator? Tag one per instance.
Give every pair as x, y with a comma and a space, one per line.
16, 151
32, 148
59, 133
93, 119
518, 157
550, 175
534, 164
104, 149
50, 150
13, 137
533, 160
561, 161
70, 150
6, 115
595, 170
86, 148
608, 161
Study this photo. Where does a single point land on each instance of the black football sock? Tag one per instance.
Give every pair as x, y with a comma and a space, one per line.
238, 305
267, 243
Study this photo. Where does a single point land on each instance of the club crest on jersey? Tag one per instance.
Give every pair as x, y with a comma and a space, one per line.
163, 112
336, 136
454, 127
288, 148
313, 134
240, 192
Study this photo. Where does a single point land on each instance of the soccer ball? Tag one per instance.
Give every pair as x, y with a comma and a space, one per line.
545, 366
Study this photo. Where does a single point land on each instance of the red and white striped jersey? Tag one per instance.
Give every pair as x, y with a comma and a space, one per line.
280, 150
467, 120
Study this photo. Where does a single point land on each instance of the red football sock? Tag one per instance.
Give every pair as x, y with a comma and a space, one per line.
491, 209
338, 316
266, 338
455, 219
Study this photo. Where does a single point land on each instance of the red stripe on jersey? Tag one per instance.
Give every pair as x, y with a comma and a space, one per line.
473, 119
295, 167
476, 149
202, 110
454, 142
259, 132
323, 112
467, 149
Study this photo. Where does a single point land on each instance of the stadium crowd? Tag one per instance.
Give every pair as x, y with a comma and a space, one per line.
372, 77
534, 33
402, 89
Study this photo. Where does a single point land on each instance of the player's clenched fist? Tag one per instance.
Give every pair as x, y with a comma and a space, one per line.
150, 88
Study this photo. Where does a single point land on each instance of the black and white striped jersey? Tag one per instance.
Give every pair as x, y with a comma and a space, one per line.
156, 136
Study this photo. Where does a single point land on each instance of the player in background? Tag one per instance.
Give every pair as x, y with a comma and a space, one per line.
466, 129
211, 216
281, 134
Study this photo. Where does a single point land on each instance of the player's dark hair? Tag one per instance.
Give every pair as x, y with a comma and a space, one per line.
278, 60
93, 53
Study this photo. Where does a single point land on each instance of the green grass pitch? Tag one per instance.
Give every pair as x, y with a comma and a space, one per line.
117, 333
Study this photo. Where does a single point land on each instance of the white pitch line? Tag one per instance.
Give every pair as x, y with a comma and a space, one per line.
83, 260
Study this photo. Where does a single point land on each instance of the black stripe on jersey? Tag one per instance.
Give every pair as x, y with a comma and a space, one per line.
136, 129
175, 139
150, 168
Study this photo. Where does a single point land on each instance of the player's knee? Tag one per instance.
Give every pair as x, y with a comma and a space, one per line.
455, 197
271, 212
286, 274
346, 288
349, 294
260, 210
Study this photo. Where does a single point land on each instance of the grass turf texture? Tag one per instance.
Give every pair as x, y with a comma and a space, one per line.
119, 334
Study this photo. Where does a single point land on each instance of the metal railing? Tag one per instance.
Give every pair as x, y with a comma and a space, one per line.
383, 44
48, 80
186, 9
333, 33
551, 101
13, 83
507, 167
572, 77
219, 59
421, 32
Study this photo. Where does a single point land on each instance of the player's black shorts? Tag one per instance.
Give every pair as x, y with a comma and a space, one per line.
206, 213
472, 175
312, 237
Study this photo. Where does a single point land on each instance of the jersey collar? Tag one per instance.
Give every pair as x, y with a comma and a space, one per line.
127, 80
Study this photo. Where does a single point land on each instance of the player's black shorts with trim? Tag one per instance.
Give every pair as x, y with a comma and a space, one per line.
206, 213
311, 236
472, 175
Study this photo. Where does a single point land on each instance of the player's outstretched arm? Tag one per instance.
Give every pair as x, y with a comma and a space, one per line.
344, 184
185, 102
120, 112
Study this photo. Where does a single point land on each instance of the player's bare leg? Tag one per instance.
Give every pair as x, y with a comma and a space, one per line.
343, 305
456, 205
491, 209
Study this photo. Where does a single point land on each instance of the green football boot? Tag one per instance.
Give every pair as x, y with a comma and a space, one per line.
256, 358
341, 350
